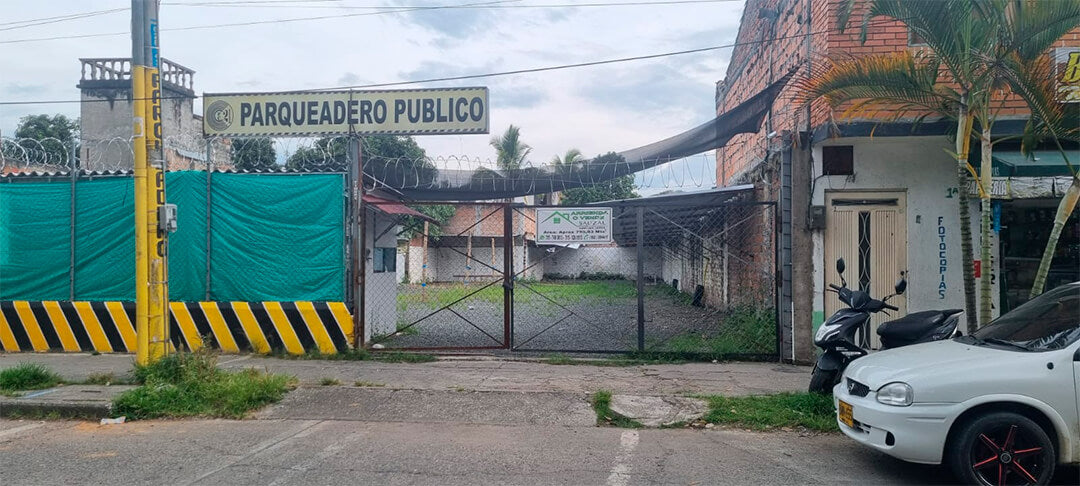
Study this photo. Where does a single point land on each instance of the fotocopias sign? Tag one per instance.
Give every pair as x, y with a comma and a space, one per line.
391, 112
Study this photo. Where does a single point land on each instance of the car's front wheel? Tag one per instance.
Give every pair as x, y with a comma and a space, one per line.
1002, 448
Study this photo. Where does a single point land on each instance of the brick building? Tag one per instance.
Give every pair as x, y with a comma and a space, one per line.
846, 186
475, 230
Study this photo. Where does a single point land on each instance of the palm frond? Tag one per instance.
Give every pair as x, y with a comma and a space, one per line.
902, 83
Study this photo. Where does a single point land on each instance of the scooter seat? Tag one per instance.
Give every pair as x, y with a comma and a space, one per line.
914, 326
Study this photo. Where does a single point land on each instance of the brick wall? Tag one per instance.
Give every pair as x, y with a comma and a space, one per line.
774, 37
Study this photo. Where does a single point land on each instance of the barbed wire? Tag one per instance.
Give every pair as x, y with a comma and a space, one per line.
26, 156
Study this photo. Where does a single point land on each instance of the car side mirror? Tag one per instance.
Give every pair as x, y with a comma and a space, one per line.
901, 285
840, 266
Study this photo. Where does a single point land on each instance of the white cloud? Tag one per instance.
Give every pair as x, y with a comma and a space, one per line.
596, 109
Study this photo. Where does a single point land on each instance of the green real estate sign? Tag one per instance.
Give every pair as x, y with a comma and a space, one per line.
573, 225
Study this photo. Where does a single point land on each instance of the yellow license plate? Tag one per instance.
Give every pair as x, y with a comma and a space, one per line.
844, 412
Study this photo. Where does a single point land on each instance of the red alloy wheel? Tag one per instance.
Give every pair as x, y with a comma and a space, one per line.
1002, 449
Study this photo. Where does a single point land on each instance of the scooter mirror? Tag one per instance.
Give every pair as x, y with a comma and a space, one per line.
901, 286
840, 266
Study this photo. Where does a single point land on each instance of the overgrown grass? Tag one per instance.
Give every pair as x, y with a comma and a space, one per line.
28, 376
601, 402
812, 411
191, 385
368, 384
434, 296
329, 382
743, 331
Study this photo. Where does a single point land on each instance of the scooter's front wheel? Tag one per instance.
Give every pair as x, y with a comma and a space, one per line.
823, 381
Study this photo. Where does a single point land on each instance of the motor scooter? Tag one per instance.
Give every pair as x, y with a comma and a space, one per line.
844, 337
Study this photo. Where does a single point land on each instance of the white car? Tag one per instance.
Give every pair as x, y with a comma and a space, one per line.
1001, 406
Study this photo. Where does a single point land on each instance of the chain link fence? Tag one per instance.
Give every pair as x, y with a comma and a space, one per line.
689, 277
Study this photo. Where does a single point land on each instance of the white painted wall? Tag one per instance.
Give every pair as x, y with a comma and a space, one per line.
381, 292
922, 167
617, 260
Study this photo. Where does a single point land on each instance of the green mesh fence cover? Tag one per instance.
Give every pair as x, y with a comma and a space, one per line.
273, 237
35, 241
104, 239
187, 246
277, 237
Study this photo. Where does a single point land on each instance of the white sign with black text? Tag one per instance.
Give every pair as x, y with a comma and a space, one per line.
556, 226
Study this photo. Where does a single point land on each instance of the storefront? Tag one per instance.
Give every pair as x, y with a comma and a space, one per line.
1025, 228
1027, 190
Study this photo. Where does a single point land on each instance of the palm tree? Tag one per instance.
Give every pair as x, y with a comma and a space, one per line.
571, 156
981, 46
509, 149
1051, 121
563, 167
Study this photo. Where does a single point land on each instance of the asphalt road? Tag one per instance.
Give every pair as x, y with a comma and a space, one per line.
348, 451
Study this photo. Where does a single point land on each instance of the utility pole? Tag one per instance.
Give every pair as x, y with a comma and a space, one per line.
151, 291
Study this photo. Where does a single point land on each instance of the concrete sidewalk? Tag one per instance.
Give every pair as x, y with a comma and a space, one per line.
478, 373
475, 390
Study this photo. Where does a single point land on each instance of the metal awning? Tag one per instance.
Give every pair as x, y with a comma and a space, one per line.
669, 216
394, 208
1040, 163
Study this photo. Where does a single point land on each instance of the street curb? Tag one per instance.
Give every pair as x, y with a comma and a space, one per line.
22, 407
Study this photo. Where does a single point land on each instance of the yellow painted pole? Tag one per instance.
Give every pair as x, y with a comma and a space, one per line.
151, 294
155, 241
142, 267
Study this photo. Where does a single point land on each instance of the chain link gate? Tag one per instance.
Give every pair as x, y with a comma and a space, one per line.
438, 286
575, 299
718, 297
692, 276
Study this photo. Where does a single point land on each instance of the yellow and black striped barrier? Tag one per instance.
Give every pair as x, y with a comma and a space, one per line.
108, 327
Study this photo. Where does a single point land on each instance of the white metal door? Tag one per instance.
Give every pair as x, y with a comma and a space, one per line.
869, 230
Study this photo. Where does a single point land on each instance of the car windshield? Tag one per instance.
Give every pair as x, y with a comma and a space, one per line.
1050, 321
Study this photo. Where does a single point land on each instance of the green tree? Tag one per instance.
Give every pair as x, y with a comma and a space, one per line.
378, 152
1055, 122
617, 188
510, 151
47, 140
975, 48
565, 163
254, 154
571, 156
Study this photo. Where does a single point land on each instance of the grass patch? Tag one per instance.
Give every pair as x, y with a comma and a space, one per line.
435, 296
742, 331
191, 385
329, 382
368, 384
601, 402
812, 411
28, 376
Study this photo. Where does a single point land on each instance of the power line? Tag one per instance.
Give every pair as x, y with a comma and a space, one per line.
259, 22
505, 73
380, 10
58, 18
481, 7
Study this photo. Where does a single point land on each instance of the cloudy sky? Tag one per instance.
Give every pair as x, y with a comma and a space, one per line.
595, 109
